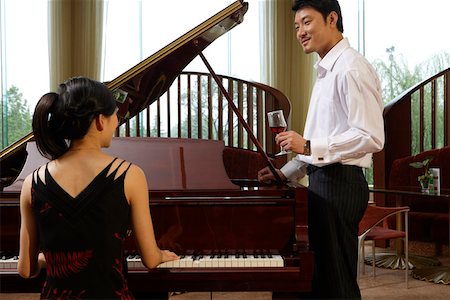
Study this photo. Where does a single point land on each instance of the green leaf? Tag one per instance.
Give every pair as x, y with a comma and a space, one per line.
416, 165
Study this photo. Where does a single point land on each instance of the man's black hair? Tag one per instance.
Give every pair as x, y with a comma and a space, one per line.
325, 7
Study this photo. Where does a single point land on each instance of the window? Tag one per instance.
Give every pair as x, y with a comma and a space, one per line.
152, 25
404, 35
24, 64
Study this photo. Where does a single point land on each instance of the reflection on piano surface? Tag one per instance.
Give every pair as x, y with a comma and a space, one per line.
232, 233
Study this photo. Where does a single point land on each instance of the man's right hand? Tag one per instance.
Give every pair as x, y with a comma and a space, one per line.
266, 176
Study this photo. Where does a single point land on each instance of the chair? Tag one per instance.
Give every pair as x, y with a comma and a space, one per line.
369, 229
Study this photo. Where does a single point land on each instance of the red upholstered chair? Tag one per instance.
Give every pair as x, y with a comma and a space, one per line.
370, 229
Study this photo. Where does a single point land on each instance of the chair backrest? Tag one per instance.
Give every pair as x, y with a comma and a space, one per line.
374, 215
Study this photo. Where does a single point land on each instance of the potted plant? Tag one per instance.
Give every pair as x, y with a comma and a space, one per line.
426, 179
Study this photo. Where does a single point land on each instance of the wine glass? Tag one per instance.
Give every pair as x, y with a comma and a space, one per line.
277, 124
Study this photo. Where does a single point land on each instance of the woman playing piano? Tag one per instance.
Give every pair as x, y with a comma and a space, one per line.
75, 210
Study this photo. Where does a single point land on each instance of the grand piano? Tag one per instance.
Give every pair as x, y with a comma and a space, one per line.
233, 233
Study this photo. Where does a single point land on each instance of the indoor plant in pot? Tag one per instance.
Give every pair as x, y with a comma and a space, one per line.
426, 178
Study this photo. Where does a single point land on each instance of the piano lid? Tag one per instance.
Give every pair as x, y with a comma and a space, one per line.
147, 81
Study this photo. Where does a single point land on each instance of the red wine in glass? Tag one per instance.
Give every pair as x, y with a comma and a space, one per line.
277, 124
277, 129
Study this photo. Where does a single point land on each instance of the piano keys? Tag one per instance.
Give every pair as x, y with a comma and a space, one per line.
9, 264
214, 261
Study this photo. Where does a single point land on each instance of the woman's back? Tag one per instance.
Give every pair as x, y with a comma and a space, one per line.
77, 168
82, 215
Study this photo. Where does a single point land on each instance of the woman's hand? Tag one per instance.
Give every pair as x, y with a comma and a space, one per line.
167, 255
41, 261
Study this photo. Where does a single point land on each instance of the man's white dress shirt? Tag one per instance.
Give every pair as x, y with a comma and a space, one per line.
345, 116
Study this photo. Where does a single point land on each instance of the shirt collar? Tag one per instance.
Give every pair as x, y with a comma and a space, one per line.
327, 63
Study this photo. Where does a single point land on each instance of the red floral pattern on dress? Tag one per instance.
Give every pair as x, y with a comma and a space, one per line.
124, 293
45, 207
54, 294
65, 264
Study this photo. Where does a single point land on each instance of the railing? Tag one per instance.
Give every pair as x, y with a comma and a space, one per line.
194, 107
415, 121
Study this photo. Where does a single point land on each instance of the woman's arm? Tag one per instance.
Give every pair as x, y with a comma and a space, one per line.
30, 262
136, 191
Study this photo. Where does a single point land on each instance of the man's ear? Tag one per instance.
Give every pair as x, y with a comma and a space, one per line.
99, 122
333, 18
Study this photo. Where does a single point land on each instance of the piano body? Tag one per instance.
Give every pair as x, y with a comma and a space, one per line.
206, 205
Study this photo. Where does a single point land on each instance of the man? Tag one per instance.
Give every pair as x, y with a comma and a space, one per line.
343, 128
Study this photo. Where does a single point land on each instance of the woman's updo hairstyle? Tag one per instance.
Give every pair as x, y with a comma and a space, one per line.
67, 115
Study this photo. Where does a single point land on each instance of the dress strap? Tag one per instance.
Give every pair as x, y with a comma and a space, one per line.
113, 173
36, 177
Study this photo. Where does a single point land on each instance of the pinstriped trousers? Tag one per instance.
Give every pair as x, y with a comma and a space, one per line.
337, 198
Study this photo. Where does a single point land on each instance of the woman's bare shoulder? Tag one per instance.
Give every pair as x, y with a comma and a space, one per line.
135, 173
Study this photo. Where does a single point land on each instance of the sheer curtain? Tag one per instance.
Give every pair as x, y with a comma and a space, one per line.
75, 39
283, 63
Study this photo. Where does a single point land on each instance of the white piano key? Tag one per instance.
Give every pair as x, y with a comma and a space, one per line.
197, 262
241, 261
167, 264
234, 261
250, 261
207, 261
214, 261
221, 261
260, 261
228, 261
277, 261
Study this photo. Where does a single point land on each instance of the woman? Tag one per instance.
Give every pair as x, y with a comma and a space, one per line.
76, 208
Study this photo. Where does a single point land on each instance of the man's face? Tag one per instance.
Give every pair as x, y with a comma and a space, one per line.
313, 32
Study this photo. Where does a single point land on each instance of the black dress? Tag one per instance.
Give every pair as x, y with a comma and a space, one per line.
82, 238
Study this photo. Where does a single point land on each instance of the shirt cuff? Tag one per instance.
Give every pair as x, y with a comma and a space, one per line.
294, 169
319, 151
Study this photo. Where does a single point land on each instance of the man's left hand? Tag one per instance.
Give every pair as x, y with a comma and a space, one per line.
291, 140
